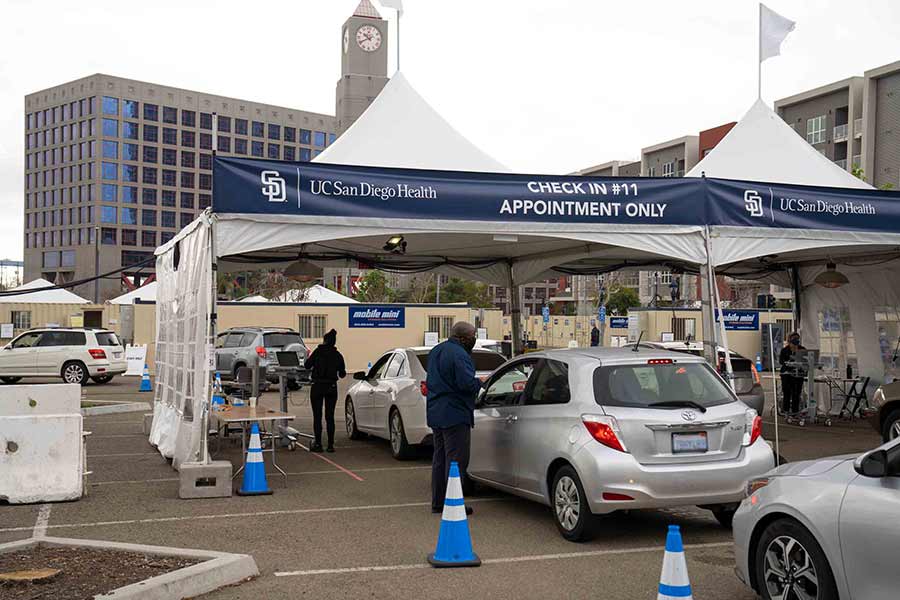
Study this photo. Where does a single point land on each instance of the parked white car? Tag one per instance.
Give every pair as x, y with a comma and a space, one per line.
73, 354
388, 400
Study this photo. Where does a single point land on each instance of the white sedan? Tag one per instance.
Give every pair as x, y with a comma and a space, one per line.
388, 401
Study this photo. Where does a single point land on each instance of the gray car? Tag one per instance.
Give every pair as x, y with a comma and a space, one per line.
592, 431
823, 529
244, 346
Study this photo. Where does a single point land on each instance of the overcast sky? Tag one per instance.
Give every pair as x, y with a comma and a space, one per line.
543, 86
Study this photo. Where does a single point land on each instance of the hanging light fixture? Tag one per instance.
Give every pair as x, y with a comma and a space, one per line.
395, 244
303, 270
831, 278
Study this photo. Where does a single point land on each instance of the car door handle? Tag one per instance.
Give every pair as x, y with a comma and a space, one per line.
512, 418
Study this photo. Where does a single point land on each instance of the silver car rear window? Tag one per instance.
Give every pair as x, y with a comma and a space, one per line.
646, 385
280, 340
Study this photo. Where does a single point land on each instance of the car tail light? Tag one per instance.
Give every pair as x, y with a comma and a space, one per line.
616, 497
604, 429
261, 352
753, 370
97, 353
754, 485
752, 427
423, 387
660, 361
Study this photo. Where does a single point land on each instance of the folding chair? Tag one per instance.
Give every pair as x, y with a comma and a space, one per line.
857, 397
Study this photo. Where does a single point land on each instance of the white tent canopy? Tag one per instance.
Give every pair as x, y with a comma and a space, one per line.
145, 293
316, 294
51, 296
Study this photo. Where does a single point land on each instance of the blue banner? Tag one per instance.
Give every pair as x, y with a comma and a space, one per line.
618, 322
268, 187
740, 320
377, 316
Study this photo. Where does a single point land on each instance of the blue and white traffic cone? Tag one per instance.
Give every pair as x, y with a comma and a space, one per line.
145, 380
673, 581
254, 483
218, 398
454, 545
759, 366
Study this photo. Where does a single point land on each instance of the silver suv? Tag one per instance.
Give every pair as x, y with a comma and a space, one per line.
244, 346
74, 354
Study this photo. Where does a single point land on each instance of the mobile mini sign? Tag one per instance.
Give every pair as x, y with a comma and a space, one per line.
377, 316
740, 320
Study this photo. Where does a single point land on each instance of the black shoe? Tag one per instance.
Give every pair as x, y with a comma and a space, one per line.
330, 449
469, 510
435, 511
316, 447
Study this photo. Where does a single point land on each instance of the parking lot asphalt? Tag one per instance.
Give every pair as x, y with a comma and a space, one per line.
358, 523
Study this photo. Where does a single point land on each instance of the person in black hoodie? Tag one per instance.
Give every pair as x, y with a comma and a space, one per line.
327, 366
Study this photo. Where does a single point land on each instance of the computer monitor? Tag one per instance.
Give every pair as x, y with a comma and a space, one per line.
287, 359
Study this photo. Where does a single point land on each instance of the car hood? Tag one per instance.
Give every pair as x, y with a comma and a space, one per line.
810, 468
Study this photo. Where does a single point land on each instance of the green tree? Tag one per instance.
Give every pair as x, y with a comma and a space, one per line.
476, 294
620, 299
375, 287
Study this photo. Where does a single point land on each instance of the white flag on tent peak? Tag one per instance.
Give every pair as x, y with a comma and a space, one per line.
395, 4
773, 29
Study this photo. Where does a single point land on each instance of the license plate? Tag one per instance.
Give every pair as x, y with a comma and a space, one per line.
117, 355
689, 442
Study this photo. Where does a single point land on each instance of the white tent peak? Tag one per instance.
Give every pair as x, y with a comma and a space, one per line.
366, 9
52, 296
317, 294
762, 147
400, 129
145, 293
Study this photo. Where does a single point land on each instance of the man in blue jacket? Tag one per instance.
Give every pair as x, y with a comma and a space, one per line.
452, 387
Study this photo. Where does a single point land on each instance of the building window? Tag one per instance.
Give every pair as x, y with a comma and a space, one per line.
67, 257
129, 173
187, 198
290, 134
129, 152
312, 327
109, 192
128, 216
684, 329
148, 238
169, 177
187, 159
129, 194
108, 236
187, 179
206, 162
148, 196
168, 198
170, 115
151, 133
205, 121
129, 130
205, 181
110, 128
815, 130
130, 109
107, 214
668, 169
167, 219
151, 112
50, 260
304, 154
205, 201
169, 157
289, 153
441, 324
110, 171
305, 136
110, 149
129, 237
274, 131
150, 154
186, 219
170, 136
223, 144
206, 141
110, 106
274, 151
188, 139
331, 138
134, 257
188, 118
258, 129
21, 319
165, 236
148, 218
240, 126
148, 175
224, 124
319, 139
256, 148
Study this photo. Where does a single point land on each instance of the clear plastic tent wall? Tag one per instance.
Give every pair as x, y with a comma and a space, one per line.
183, 304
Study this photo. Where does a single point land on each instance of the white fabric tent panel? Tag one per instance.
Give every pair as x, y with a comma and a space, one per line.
146, 293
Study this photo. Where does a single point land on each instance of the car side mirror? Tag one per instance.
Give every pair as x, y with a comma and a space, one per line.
872, 464
359, 376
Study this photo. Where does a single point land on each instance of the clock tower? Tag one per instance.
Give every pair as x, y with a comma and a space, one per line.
364, 57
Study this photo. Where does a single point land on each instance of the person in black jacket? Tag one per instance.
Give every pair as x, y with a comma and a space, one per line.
595, 336
791, 377
327, 366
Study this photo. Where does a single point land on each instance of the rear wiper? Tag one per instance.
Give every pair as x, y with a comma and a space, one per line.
679, 403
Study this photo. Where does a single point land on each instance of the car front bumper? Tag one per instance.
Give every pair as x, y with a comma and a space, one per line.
742, 528
659, 486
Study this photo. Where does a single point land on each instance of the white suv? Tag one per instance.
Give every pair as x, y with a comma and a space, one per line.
74, 354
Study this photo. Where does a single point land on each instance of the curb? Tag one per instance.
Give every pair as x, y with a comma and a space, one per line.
128, 407
218, 569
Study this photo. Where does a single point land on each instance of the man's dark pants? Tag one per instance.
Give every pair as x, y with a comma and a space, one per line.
791, 391
450, 444
323, 393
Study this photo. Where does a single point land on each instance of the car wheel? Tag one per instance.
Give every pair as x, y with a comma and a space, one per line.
570, 508
101, 379
74, 372
891, 429
350, 420
789, 563
400, 448
10, 380
724, 515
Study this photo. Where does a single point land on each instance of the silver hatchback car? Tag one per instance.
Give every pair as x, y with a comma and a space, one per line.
823, 529
592, 431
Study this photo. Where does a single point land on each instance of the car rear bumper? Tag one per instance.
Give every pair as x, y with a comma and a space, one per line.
658, 486
109, 368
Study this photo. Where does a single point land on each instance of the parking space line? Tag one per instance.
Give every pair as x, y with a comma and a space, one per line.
497, 561
333, 464
268, 513
43, 518
124, 455
117, 435
329, 472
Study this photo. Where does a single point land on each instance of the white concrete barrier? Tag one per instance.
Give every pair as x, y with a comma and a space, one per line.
41, 446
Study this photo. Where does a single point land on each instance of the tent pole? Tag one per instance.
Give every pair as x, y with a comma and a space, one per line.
210, 342
707, 281
723, 332
515, 311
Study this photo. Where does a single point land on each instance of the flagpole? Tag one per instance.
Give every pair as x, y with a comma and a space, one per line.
759, 54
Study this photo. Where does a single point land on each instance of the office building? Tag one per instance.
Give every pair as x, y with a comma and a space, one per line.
116, 167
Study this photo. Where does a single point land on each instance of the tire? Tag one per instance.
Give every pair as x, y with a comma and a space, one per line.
235, 370
74, 372
350, 420
804, 556
724, 515
400, 448
891, 428
571, 512
10, 380
101, 379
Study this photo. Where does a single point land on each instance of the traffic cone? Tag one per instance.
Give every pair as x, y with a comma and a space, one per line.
454, 545
218, 398
145, 380
254, 483
673, 581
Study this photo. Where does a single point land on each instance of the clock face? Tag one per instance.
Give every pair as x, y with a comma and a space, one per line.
368, 38
346, 39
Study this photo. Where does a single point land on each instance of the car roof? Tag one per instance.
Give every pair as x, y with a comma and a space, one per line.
94, 329
260, 330
692, 346
615, 355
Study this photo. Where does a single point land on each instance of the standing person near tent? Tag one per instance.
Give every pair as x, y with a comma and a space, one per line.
450, 407
327, 366
595, 336
791, 376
